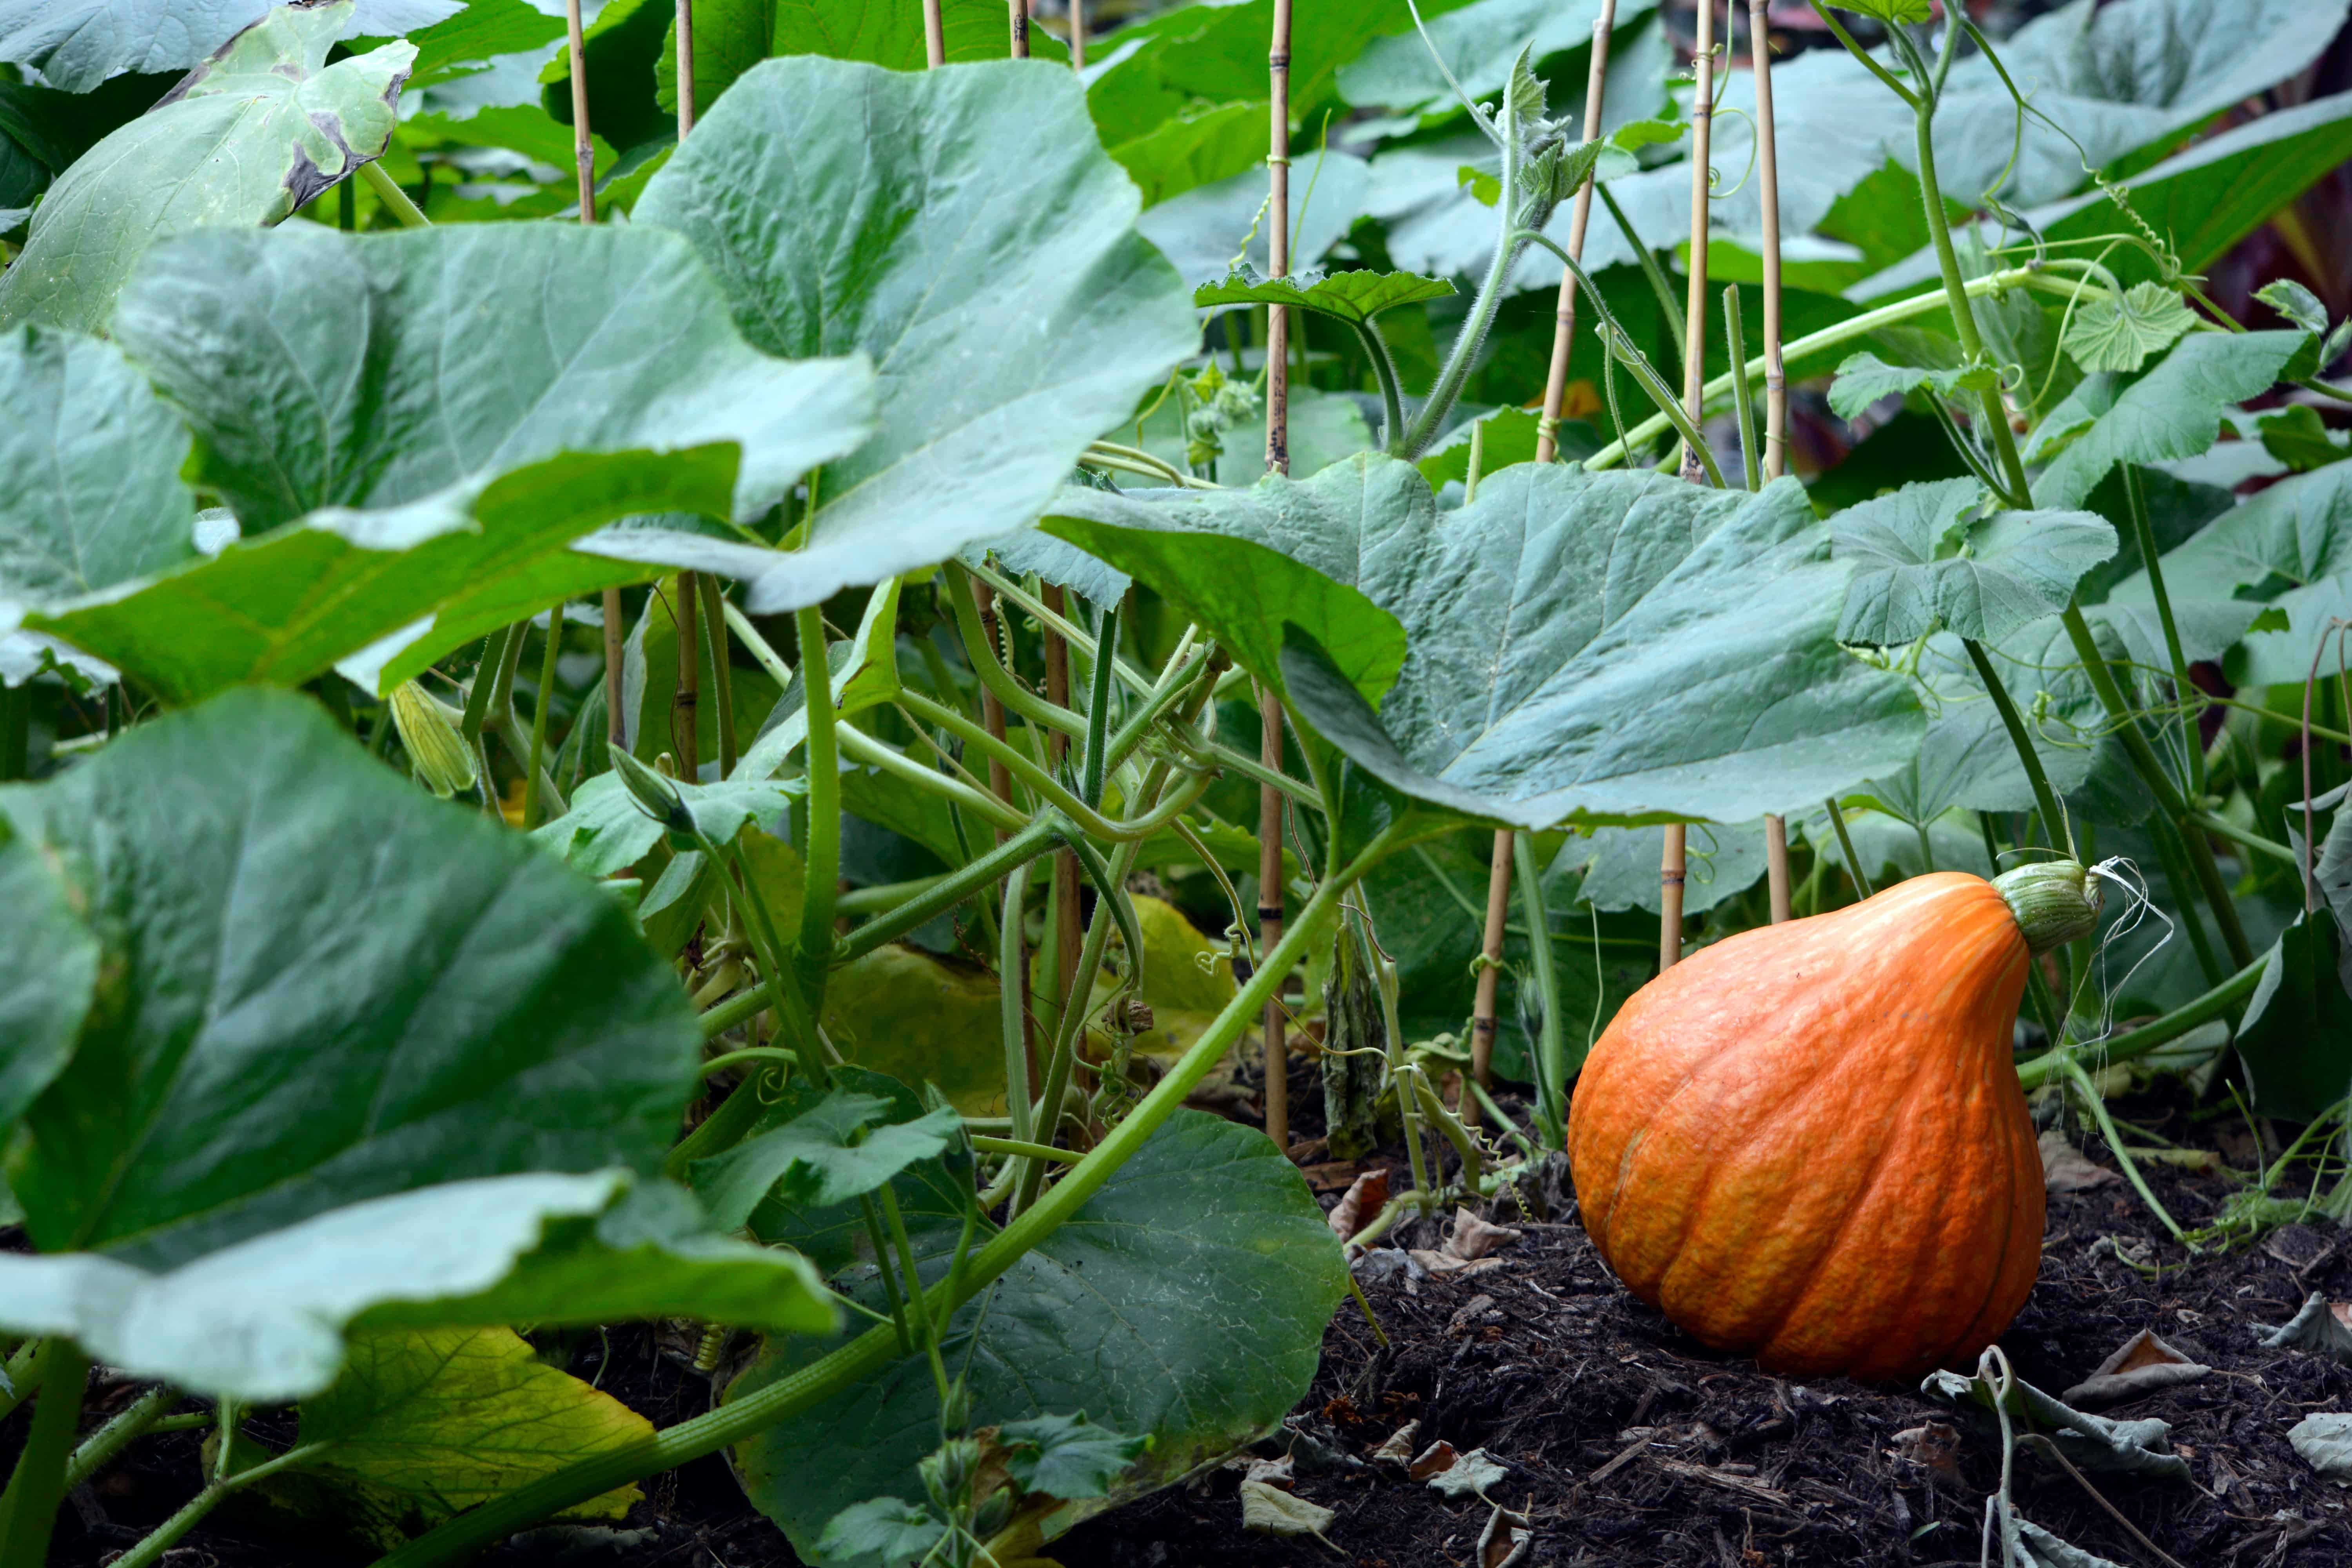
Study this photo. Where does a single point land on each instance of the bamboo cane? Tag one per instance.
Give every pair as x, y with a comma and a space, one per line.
1776, 382
1277, 460
1671, 865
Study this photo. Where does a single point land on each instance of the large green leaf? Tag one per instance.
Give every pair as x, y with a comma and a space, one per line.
1921, 560
95, 496
606, 829
466, 42
264, 1319
425, 1422
250, 135
48, 973
413, 429
2203, 200
851, 208
1535, 619
1127, 1311
77, 44
1477, 44
2292, 545
2296, 1037
1200, 146
1246, 562
318, 986
2172, 411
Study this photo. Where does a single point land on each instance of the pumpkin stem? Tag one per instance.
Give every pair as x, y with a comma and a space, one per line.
2054, 901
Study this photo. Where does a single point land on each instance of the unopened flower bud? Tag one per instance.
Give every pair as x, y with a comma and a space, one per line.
443, 764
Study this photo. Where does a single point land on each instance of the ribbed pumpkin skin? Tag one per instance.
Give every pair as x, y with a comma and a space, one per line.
1807, 1144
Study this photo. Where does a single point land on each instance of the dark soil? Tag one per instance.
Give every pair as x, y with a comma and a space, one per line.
1625, 1443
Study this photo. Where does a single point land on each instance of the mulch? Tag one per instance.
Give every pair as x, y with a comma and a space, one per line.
1623, 1442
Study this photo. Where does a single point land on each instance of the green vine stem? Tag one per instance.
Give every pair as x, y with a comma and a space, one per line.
1012, 1006
1035, 839
734, 1422
2175, 860
1551, 1048
2033, 1073
159, 1541
822, 855
2021, 739
99, 1449
38, 1485
533, 801
395, 199
16, 1377
2071, 1069
2183, 689
1047, 787
1850, 331
981, 649
861, 747
1853, 870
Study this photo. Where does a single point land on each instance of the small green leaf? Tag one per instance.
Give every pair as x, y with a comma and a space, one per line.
884, 1531
1864, 378
2297, 437
1889, 11
1067, 1456
1920, 562
1640, 133
1486, 188
2120, 334
425, 1422
2296, 302
1354, 298
250, 135
606, 829
831, 1149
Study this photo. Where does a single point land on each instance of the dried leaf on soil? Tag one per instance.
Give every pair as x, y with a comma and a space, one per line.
1506, 1541
2322, 1326
1474, 1238
1362, 1200
1269, 1510
2325, 1441
2091, 1442
1397, 1449
2143, 1364
1469, 1476
2065, 1170
1934, 1446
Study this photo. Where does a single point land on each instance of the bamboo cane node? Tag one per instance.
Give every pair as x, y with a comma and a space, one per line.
1280, 62
1283, 159
1270, 915
1670, 879
1548, 424
1484, 1028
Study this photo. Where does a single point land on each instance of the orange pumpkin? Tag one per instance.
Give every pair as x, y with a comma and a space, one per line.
1807, 1144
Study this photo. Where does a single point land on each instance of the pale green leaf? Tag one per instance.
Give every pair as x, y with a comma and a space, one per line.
1864, 378
1921, 561
606, 829
250, 135
1535, 619
2296, 302
77, 44
1479, 44
1198, 146
48, 972
827, 1150
264, 1319
880, 1530
2173, 411
413, 429
849, 208
2120, 333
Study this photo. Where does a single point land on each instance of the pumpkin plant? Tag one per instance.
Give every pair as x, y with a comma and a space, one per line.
864, 440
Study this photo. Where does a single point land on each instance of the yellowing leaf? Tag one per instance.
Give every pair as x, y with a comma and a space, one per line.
907, 1014
428, 1423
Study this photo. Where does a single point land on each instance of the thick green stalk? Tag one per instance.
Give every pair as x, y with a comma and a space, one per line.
1011, 1006
38, 1484
393, 199
870, 1351
2046, 799
1551, 1045
99, 1449
1743, 398
982, 654
862, 747
1853, 870
2160, 783
1095, 764
531, 802
823, 856
1421, 433
947, 892
1853, 330
2145, 532
1391, 395
713, 621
